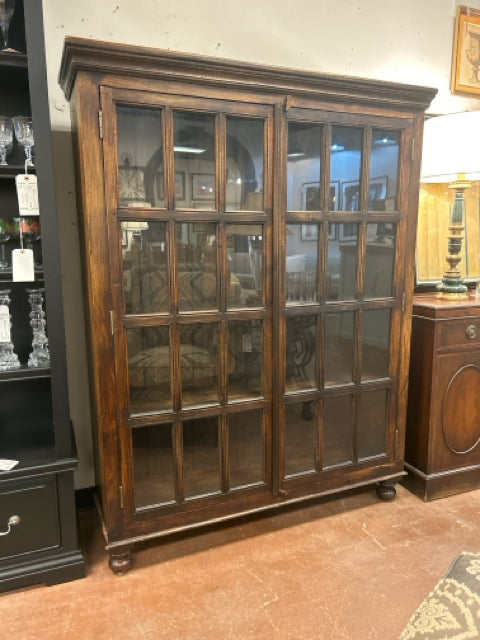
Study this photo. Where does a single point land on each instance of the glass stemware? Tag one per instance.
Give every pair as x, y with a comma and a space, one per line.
6, 137
8, 359
6, 12
40, 355
30, 230
24, 134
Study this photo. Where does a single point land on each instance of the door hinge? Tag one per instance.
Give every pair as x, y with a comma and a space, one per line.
100, 124
120, 490
396, 440
112, 328
403, 302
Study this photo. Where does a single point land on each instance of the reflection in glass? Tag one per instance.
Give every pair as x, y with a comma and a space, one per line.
345, 165
195, 168
245, 359
244, 265
149, 366
153, 465
299, 439
300, 357
384, 164
379, 267
197, 266
201, 457
246, 448
140, 153
301, 263
339, 347
376, 344
303, 156
372, 423
245, 164
338, 431
145, 270
341, 273
199, 366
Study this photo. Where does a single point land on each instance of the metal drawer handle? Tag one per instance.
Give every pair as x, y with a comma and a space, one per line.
471, 331
12, 522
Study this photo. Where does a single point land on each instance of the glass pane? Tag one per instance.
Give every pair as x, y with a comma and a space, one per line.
197, 266
338, 431
384, 163
201, 457
301, 346
244, 265
145, 270
245, 164
346, 164
339, 348
153, 466
380, 261
245, 433
199, 366
341, 273
149, 369
376, 344
303, 156
301, 262
372, 423
194, 147
140, 156
299, 438
245, 359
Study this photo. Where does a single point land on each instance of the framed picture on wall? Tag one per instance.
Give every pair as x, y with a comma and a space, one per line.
311, 196
466, 52
377, 194
179, 185
203, 186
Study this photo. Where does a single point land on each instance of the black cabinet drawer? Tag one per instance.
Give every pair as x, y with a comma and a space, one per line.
34, 501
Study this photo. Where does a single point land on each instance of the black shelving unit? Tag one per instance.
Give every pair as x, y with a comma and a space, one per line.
40, 545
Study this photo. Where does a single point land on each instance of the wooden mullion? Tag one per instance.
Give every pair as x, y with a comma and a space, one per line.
169, 159
224, 452
177, 438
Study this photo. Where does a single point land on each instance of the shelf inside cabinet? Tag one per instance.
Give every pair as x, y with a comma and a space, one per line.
24, 373
35, 460
16, 59
11, 170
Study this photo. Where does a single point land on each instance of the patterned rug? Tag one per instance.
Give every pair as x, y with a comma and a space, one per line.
452, 610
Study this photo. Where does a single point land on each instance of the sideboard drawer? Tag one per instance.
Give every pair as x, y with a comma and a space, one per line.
457, 333
31, 507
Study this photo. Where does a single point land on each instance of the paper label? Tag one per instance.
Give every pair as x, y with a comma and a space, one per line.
6, 465
27, 194
4, 323
22, 265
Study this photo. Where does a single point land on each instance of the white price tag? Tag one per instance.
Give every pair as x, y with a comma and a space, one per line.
27, 194
6, 465
22, 265
4, 323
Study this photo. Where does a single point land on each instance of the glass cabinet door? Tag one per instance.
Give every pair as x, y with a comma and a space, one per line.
194, 227
341, 291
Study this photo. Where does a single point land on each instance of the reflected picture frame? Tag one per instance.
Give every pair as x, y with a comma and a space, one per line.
311, 196
179, 185
203, 186
377, 194
465, 76
131, 183
309, 232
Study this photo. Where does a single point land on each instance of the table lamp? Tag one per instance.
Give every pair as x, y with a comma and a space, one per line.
451, 153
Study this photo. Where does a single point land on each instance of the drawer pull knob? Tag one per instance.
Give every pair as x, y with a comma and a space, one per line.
12, 522
471, 331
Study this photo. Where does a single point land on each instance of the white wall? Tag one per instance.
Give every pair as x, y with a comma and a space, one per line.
409, 41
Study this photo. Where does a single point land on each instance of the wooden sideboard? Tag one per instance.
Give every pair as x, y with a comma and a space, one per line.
443, 420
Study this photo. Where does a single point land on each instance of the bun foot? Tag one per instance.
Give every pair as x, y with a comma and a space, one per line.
386, 490
120, 561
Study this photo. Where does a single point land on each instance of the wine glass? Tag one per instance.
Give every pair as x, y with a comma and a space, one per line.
24, 134
30, 230
6, 137
6, 12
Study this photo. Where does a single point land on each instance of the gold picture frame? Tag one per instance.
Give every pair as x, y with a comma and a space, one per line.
466, 52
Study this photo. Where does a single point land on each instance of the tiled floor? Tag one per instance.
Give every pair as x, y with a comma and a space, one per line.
349, 567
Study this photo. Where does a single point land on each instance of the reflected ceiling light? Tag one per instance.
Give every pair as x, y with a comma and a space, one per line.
188, 149
296, 152
337, 147
384, 140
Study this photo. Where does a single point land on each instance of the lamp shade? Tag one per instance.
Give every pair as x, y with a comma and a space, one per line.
451, 145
